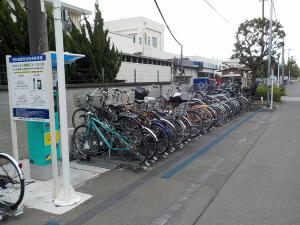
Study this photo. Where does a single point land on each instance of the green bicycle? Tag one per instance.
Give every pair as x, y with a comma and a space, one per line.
97, 136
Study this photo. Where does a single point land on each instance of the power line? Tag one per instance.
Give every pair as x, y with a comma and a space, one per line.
213, 8
162, 16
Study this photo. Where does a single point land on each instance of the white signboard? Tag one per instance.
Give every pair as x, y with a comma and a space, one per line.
28, 83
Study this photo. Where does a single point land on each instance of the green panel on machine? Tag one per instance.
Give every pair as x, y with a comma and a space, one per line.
39, 142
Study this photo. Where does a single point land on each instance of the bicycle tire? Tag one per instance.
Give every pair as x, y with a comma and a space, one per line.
84, 143
77, 120
162, 136
138, 151
10, 174
196, 121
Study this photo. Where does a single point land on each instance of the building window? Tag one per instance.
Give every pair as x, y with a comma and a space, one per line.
133, 38
140, 40
154, 42
145, 38
149, 41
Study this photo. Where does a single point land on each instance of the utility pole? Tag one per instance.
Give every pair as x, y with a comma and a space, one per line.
263, 9
181, 62
38, 44
278, 69
37, 27
269, 50
289, 65
282, 62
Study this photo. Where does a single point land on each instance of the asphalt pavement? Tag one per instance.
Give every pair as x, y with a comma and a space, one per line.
244, 173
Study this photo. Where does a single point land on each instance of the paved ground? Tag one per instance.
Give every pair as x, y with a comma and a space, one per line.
243, 173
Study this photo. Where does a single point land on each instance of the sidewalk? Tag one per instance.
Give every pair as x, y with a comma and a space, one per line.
244, 173
265, 188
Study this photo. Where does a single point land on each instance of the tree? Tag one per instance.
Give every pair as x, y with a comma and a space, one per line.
293, 67
252, 41
95, 44
13, 30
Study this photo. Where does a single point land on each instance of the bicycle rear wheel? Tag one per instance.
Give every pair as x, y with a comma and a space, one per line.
195, 119
11, 182
138, 150
162, 136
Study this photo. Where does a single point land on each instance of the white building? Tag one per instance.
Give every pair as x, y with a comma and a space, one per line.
69, 11
141, 40
137, 35
207, 66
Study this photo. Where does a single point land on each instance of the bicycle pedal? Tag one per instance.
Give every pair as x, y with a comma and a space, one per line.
166, 153
189, 140
173, 148
155, 158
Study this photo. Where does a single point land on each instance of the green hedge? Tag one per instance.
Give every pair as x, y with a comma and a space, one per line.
261, 91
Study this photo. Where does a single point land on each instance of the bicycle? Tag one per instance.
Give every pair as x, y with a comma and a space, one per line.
12, 185
100, 137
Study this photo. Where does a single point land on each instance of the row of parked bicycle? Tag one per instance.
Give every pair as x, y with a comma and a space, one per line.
131, 126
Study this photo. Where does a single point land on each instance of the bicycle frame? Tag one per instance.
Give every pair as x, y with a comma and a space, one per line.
93, 123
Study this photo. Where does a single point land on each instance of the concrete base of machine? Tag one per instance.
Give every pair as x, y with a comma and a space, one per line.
42, 173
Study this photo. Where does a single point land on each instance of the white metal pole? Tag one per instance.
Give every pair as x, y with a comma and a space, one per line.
13, 123
269, 49
278, 70
67, 194
272, 84
52, 127
288, 61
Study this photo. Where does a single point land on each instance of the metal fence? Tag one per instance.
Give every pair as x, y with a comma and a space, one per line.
182, 79
3, 75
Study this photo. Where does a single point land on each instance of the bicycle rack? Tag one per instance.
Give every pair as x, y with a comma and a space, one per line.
116, 163
6, 212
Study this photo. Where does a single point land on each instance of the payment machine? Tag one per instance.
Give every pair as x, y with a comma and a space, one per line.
39, 141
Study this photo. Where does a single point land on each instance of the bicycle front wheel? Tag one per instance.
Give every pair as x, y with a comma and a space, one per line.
77, 117
11, 182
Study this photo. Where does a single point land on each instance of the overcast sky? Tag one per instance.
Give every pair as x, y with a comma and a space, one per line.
201, 30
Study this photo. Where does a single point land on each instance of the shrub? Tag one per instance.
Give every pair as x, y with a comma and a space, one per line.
262, 90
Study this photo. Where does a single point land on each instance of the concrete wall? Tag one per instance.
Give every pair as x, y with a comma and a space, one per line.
5, 133
144, 72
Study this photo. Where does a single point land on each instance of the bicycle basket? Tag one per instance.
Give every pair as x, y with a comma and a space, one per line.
98, 100
140, 93
81, 100
181, 110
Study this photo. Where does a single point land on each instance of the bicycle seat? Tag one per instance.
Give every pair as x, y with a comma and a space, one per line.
149, 99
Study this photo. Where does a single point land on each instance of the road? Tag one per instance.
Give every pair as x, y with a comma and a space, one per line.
244, 173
